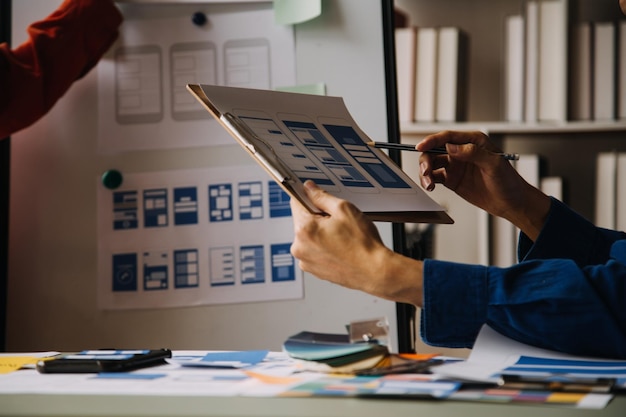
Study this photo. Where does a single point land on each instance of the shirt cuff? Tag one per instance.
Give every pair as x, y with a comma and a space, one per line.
565, 235
455, 303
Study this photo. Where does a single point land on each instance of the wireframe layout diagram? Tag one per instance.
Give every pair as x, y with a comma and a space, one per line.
191, 60
139, 85
142, 100
314, 157
210, 236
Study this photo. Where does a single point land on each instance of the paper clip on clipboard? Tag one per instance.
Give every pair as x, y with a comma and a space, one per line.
264, 153
244, 134
267, 156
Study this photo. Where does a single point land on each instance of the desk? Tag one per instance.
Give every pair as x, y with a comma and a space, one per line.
120, 405
266, 389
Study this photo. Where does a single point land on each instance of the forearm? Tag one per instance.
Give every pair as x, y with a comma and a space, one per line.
402, 279
531, 212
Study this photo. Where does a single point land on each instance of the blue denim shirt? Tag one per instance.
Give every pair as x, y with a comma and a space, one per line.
567, 293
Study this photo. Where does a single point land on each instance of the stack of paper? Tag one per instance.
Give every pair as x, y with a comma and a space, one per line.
495, 355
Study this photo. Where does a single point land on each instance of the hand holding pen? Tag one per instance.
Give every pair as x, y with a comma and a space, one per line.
479, 172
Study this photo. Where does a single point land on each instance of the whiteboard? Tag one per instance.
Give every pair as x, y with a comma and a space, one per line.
53, 231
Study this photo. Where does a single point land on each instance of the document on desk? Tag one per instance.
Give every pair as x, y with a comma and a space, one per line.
11, 362
494, 354
298, 137
275, 376
496, 357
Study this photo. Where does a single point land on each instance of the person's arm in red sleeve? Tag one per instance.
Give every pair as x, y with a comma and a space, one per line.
60, 49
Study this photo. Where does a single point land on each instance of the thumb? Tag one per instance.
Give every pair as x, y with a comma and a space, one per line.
320, 198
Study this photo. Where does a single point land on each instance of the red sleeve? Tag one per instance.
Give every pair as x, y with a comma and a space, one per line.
61, 48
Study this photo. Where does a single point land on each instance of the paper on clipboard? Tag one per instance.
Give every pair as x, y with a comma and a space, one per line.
296, 137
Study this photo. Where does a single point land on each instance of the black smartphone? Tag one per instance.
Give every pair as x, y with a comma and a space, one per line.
104, 360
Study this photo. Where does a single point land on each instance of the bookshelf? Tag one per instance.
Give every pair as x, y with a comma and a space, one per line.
567, 148
484, 22
506, 128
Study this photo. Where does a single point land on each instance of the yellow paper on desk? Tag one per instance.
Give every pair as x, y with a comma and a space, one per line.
9, 364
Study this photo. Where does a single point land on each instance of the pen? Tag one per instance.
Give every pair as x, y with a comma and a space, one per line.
440, 150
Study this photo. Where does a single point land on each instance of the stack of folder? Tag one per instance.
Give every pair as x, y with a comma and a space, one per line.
334, 352
337, 353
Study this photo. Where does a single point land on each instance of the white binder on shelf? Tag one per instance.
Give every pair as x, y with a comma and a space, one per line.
582, 63
606, 186
405, 72
552, 94
604, 71
621, 65
531, 61
426, 75
514, 67
450, 104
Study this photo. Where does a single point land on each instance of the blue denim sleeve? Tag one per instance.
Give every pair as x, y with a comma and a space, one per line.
456, 298
568, 235
563, 296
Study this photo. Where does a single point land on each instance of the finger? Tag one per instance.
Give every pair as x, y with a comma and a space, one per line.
439, 176
300, 214
430, 161
320, 198
477, 155
427, 180
428, 164
439, 161
458, 137
296, 206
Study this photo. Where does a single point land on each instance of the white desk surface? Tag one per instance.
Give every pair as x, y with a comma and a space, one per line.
177, 390
120, 405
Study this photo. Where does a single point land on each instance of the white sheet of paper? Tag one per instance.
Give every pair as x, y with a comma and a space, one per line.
493, 352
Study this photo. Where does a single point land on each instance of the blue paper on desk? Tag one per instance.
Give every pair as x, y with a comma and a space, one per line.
495, 355
232, 360
530, 365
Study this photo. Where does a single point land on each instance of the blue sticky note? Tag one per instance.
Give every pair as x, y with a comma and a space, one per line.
127, 375
238, 359
230, 359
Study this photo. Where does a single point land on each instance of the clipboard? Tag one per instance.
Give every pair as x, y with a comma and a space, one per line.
296, 137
